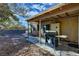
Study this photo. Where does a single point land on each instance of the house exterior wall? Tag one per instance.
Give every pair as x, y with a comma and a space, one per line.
34, 24
69, 26
55, 27
34, 28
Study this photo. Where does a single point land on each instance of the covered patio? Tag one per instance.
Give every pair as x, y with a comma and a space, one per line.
64, 19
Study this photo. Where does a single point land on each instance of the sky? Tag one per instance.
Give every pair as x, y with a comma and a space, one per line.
31, 9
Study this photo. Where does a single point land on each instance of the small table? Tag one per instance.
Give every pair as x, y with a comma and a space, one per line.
61, 37
50, 31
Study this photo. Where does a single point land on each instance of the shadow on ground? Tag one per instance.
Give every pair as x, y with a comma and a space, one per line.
16, 45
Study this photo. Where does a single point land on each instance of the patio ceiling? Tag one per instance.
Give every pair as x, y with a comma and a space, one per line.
60, 11
63, 15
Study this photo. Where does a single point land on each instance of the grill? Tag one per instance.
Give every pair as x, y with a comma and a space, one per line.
52, 36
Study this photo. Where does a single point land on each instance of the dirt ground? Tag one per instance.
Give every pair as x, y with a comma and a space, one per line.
18, 46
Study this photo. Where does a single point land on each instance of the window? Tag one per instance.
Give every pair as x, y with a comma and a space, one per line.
48, 27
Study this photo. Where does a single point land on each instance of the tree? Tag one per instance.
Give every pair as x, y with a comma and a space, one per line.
7, 16
19, 10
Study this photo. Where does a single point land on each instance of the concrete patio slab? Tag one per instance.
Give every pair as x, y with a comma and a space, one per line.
52, 50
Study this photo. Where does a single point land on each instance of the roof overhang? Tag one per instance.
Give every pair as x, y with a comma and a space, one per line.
70, 9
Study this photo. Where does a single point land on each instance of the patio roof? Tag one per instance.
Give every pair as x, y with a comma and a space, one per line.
59, 11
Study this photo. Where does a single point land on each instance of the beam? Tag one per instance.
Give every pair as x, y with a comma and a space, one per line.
59, 16
48, 16
67, 14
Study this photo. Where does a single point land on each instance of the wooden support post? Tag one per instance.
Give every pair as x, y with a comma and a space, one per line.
28, 30
40, 31
78, 31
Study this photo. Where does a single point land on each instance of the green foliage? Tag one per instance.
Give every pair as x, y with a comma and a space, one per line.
5, 21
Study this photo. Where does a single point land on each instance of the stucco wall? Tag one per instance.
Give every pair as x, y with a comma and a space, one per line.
69, 26
34, 24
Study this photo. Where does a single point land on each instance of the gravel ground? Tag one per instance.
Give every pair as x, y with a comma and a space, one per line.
18, 46
33, 50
